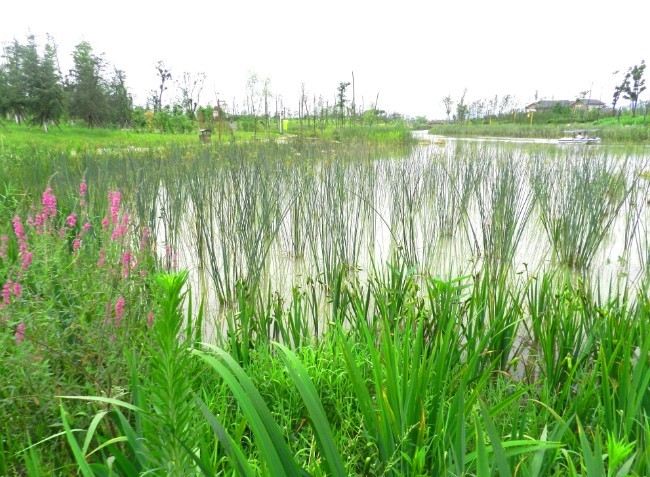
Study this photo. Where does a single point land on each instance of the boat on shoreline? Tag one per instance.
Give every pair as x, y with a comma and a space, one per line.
579, 136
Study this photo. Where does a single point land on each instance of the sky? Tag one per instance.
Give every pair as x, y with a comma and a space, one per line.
409, 53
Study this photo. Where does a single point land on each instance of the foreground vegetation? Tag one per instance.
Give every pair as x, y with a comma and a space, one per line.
115, 362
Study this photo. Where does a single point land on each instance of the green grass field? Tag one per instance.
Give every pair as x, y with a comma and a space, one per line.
28, 139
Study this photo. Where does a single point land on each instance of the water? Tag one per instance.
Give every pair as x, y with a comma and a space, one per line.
446, 208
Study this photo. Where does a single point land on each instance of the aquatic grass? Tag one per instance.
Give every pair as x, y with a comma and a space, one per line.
337, 233
504, 203
406, 191
579, 197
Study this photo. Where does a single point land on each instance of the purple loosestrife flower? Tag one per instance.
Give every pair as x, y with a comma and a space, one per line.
26, 260
48, 200
71, 220
6, 293
120, 230
20, 333
19, 230
17, 289
114, 199
83, 188
37, 222
76, 244
119, 310
126, 263
25, 254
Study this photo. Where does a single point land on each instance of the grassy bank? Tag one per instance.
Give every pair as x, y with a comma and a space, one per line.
21, 139
609, 130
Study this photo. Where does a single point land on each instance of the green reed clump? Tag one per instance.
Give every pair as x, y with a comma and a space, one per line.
406, 190
504, 203
579, 197
340, 227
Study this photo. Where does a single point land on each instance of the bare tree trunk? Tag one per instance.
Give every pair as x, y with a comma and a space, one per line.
354, 104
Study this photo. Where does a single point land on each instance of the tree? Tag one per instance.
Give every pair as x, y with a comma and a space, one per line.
461, 108
252, 98
506, 103
266, 93
618, 90
191, 86
47, 100
120, 103
29, 66
634, 85
4, 107
448, 103
341, 99
164, 75
87, 88
493, 104
15, 98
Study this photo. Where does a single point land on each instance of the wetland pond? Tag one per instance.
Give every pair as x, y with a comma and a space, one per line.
281, 218
276, 218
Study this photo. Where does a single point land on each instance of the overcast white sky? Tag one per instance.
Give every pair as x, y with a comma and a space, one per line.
411, 52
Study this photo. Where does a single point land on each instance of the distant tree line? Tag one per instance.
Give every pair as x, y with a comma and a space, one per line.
33, 88
490, 108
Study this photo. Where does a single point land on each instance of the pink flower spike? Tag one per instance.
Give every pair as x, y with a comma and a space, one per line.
18, 228
6, 293
86, 227
76, 244
119, 310
48, 201
38, 221
83, 188
18, 290
126, 263
105, 223
71, 220
20, 333
26, 260
114, 199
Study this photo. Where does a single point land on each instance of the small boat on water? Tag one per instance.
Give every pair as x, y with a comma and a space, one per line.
579, 136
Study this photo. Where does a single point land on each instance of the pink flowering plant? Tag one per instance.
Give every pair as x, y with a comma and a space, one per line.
74, 296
